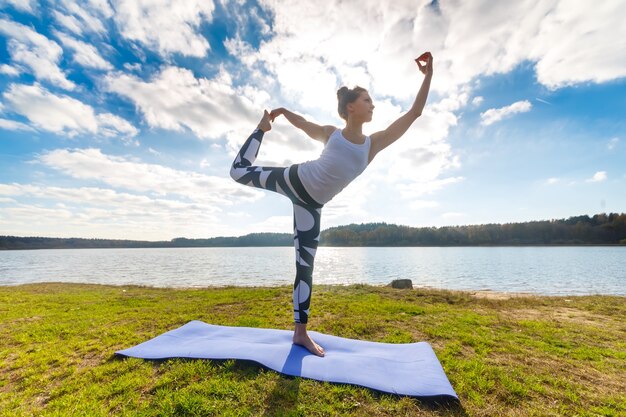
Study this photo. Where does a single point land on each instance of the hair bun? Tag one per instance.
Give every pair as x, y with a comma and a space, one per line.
342, 91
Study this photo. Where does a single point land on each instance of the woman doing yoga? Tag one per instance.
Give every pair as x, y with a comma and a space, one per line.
310, 185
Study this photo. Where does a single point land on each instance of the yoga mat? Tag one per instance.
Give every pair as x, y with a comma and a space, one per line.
410, 369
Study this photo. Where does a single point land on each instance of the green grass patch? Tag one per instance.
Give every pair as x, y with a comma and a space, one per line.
516, 356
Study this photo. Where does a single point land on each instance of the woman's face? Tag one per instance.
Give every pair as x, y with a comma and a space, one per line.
362, 108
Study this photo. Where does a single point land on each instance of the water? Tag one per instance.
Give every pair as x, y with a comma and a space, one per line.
539, 270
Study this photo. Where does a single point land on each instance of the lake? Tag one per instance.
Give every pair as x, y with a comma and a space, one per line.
540, 270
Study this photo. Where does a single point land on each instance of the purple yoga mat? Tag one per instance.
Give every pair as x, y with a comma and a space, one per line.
410, 369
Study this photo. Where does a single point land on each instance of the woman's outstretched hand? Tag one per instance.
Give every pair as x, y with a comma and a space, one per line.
427, 58
276, 112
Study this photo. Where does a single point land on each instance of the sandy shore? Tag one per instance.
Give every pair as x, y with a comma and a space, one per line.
499, 295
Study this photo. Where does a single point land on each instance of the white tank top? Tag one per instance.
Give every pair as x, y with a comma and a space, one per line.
339, 164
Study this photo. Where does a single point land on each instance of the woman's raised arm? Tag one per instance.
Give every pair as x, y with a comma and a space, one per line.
314, 131
384, 138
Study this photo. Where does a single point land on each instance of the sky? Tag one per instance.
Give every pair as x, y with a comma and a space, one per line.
120, 119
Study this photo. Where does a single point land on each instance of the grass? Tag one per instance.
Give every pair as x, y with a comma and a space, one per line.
505, 356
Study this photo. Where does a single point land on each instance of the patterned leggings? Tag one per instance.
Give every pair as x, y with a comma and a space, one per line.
306, 214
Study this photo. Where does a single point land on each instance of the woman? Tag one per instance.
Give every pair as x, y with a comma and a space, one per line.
310, 185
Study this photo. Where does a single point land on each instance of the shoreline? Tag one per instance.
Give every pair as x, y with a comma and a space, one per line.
476, 293
511, 245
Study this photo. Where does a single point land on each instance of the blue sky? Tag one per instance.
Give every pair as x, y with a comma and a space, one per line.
119, 119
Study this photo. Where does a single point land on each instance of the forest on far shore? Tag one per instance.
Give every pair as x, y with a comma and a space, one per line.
600, 229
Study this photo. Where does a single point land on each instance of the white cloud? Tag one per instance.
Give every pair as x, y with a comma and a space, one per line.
101, 7
423, 148
9, 70
124, 198
22, 5
13, 125
35, 51
599, 176
307, 65
495, 115
63, 114
92, 196
175, 99
155, 152
102, 212
110, 125
590, 43
83, 16
59, 114
118, 172
477, 101
84, 54
570, 43
167, 26
613, 142
69, 22
132, 67
553, 181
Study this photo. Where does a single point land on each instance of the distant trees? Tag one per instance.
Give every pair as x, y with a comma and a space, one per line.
14, 242
599, 229
253, 239
606, 229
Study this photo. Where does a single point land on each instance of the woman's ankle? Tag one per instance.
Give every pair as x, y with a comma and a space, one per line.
300, 329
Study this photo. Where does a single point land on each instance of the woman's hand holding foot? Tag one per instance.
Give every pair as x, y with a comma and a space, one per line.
276, 112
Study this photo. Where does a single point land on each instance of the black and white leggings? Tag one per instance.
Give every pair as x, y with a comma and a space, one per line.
306, 214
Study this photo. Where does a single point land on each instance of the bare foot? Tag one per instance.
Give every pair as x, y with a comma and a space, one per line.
302, 338
308, 343
265, 124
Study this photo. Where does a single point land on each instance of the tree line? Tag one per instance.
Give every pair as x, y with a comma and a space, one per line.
600, 229
580, 230
253, 239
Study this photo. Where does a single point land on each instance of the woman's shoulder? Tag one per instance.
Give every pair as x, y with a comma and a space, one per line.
330, 131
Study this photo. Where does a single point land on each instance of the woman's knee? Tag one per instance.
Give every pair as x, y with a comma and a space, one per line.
237, 171
234, 174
